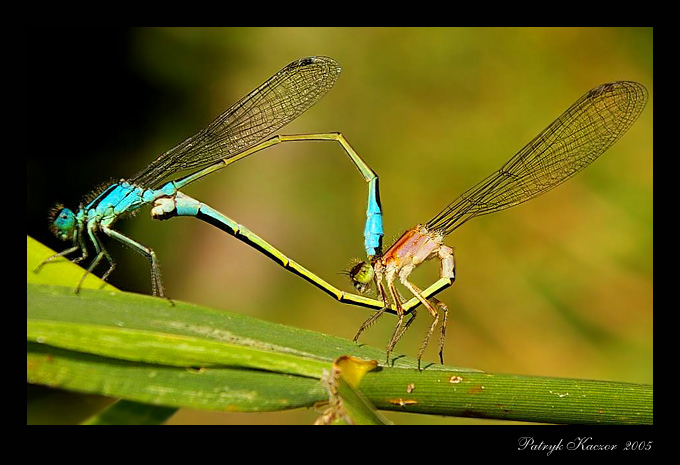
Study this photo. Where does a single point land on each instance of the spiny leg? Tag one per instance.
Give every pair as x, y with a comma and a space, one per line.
428, 336
433, 312
90, 268
83, 248
77, 244
398, 331
156, 281
447, 273
101, 252
445, 312
366, 324
57, 255
381, 295
377, 315
407, 324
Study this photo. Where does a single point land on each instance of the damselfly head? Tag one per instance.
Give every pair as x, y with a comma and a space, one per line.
361, 275
62, 222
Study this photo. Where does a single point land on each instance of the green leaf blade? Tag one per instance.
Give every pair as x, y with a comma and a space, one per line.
226, 389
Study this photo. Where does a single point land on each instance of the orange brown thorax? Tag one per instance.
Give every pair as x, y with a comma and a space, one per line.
413, 248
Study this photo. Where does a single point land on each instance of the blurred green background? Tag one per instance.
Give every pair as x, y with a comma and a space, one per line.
561, 286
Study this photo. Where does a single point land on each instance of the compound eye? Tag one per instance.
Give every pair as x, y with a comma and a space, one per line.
361, 276
62, 222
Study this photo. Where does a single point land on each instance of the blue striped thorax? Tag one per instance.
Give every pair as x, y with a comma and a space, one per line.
112, 202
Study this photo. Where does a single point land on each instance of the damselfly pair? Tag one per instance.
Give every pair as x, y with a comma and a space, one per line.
580, 135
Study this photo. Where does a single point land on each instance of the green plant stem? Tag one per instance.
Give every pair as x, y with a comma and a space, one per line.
509, 397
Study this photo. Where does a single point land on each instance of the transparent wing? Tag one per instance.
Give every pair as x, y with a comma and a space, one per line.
573, 141
281, 99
